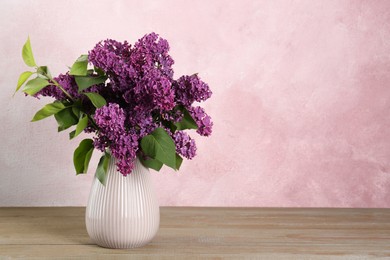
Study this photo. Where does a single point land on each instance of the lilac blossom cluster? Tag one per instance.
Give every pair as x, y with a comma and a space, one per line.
185, 145
189, 89
141, 95
112, 133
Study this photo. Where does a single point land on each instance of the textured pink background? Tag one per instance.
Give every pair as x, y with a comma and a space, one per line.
301, 99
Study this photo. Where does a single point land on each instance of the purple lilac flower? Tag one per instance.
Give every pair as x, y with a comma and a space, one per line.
151, 52
185, 145
112, 133
111, 120
50, 91
173, 116
101, 142
202, 120
154, 91
67, 82
124, 149
189, 89
141, 122
113, 58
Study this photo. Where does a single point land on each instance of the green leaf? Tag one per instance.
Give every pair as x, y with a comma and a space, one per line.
85, 82
76, 111
187, 122
82, 156
77, 107
88, 156
71, 134
48, 110
44, 71
79, 68
151, 163
22, 78
35, 85
179, 160
101, 170
65, 119
99, 71
170, 125
27, 54
160, 146
82, 124
97, 100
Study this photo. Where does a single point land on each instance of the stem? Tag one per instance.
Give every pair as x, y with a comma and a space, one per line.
57, 85
92, 122
63, 90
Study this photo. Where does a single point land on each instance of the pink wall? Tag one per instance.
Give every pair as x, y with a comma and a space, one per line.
301, 100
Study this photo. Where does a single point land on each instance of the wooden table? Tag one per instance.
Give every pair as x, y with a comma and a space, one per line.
212, 233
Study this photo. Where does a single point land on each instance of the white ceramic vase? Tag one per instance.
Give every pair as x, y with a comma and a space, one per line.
123, 213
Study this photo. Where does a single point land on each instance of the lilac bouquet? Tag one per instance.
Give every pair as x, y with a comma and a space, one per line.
128, 99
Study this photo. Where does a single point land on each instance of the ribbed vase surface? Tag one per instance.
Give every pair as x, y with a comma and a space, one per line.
123, 213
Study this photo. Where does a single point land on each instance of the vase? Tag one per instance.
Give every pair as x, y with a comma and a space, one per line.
123, 213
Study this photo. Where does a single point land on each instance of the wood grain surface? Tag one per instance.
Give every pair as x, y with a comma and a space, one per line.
206, 233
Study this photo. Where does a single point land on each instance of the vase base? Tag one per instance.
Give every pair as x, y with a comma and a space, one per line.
121, 246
